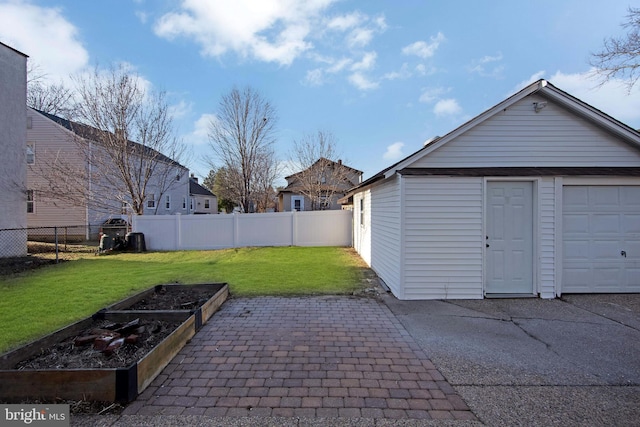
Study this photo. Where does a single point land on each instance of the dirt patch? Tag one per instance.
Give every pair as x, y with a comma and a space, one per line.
184, 299
70, 354
16, 265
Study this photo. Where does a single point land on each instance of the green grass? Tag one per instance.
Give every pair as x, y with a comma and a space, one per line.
36, 303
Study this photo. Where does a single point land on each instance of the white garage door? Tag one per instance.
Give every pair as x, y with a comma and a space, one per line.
601, 239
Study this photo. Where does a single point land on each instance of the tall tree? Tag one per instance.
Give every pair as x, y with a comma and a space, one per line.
242, 136
56, 99
619, 56
216, 181
114, 110
322, 177
267, 172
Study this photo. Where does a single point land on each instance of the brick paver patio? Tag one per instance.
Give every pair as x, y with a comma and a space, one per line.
302, 357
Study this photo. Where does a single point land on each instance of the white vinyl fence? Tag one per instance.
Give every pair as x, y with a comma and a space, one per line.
198, 232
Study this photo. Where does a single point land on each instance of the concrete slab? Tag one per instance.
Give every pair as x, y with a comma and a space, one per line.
574, 361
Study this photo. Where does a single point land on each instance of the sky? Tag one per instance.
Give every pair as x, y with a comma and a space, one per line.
382, 76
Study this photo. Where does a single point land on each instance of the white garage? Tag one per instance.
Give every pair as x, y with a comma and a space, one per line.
601, 238
537, 196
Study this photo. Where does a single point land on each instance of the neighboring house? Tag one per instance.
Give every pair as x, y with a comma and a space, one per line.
331, 181
13, 170
51, 149
203, 201
537, 196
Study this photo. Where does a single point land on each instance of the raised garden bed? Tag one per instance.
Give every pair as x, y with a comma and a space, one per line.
68, 364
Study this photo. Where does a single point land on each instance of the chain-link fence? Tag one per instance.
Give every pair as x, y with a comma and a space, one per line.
55, 242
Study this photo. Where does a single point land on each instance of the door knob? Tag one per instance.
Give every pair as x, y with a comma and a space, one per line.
623, 253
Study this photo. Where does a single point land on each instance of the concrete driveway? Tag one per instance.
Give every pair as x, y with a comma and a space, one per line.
574, 361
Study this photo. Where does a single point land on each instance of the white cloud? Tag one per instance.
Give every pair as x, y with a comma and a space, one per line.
430, 95
403, 73
447, 107
346, 22
611, 98
368, 62
362, 82
142, 16
339, 65
274, 31
423, 49
314, 77
179, 110
394, 151
360, 37
483, 68
200, 134
34, 30
533, 78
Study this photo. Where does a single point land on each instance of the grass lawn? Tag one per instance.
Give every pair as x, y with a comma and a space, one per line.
35, 303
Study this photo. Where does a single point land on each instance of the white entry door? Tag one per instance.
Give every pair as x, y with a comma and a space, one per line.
509, 239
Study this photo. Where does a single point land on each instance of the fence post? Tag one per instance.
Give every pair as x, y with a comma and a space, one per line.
178, 232
294, 228
235, 230
55, 234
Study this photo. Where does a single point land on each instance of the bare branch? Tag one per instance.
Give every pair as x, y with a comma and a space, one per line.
114, 111
619, 56
241, 138
323, 178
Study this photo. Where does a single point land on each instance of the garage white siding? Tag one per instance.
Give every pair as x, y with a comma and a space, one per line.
443, 237
386, 245
547, 235
601, 239
518, 136
362, 225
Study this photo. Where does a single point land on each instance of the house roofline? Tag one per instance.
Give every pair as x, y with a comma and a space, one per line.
334, 162
86, 132
541, 87
14, 49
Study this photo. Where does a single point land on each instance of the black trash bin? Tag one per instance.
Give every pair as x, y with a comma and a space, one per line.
135, 242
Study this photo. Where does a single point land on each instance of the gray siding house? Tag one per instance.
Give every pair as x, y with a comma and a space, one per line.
52, 149
13, 169
203, 201
537, 196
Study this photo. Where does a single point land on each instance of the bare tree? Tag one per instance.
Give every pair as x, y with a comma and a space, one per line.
267, 172
216, 181
114, 110
619, 57
242, 137
56, 99
323, 177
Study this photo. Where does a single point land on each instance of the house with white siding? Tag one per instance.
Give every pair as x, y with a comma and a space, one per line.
53, 154
537, 196
13, 171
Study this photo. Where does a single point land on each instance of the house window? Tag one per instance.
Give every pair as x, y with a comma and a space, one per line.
192, 201
31, 208
297, 203
123, 208
206, 203
151, 201
167, 201
362, 211
184, 203
31, 153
